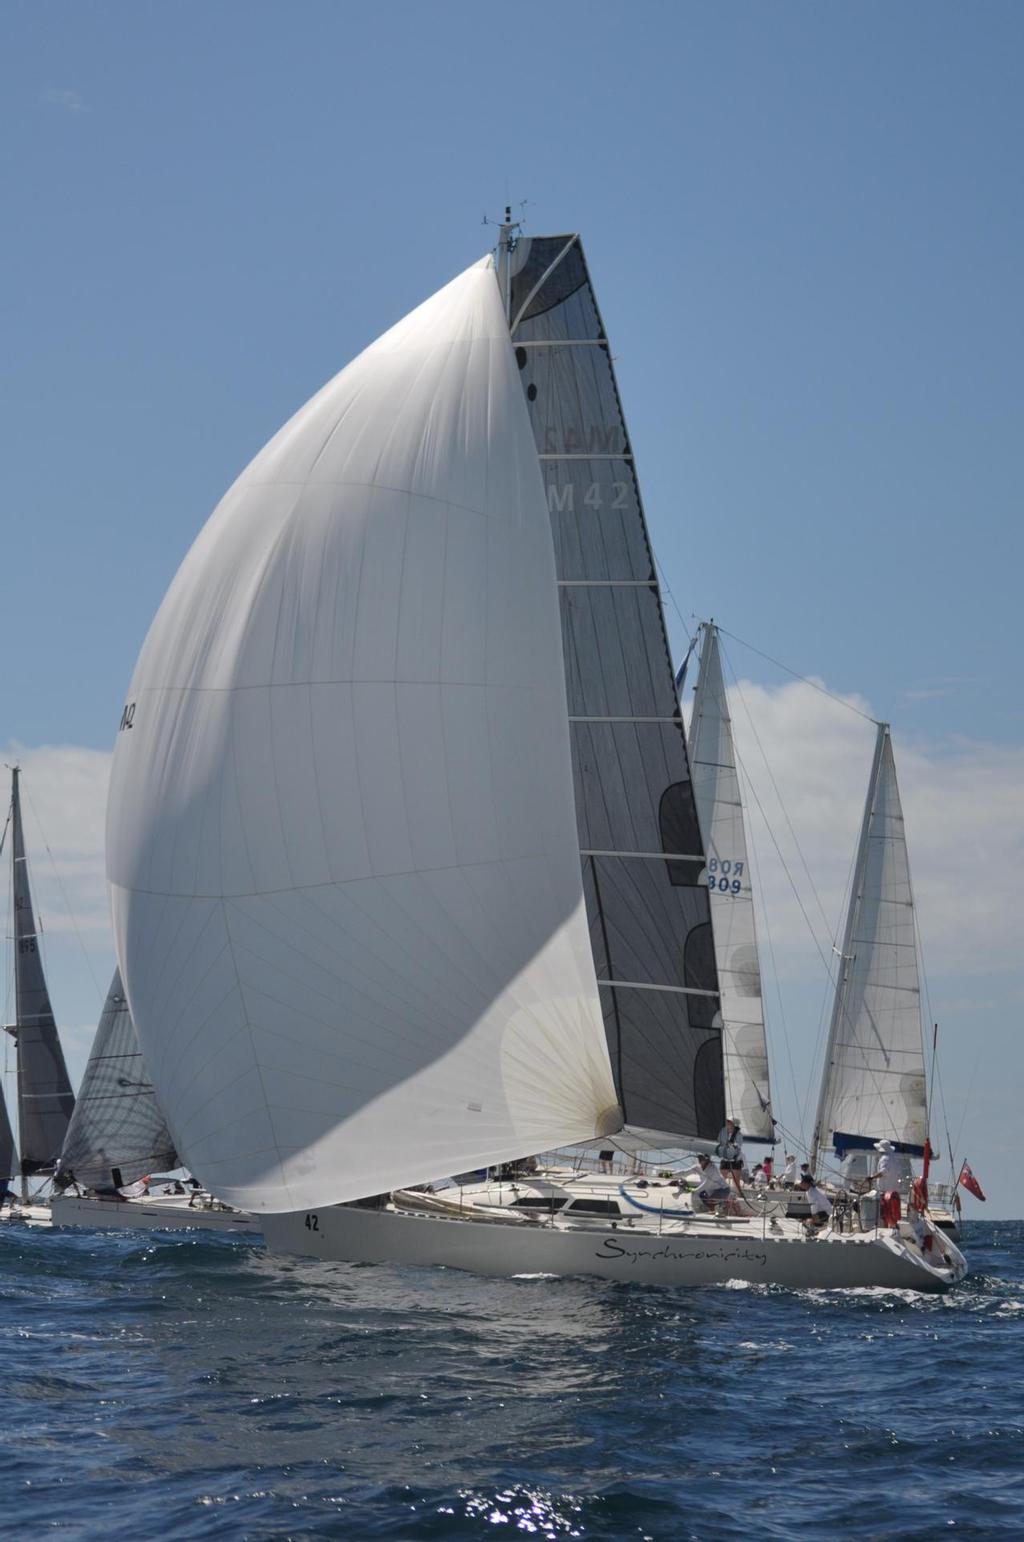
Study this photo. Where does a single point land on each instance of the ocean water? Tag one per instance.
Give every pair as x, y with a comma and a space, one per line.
178, 1387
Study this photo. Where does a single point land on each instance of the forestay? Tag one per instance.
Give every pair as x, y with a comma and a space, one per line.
642, 856
716, 788
341, 840
874, 1083
117, 1132
45, 1099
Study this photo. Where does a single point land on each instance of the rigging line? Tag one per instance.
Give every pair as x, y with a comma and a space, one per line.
821, 910
805, 680
825, 961
923, 976
785, 867
954, 1172
667, 588
822, 1034
101, 995
756, 865
967, 1104
775, 789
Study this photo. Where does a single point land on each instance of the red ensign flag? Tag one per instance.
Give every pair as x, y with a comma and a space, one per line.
970, 1182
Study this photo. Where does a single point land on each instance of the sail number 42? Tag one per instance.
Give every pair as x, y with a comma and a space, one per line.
312, 1222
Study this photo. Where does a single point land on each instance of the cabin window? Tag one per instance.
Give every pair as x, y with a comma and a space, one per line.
539, 1202
595, 1207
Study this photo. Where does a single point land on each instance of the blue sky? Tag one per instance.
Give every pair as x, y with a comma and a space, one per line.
805, 224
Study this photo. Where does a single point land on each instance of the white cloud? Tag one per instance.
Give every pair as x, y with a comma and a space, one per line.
964, 809
963, 802
64, 97
63, 802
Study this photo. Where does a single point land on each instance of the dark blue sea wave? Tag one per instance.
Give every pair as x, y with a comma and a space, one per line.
179, 1388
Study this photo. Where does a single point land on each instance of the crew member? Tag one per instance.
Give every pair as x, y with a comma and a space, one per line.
818, 1201
713, 1189
730, 1153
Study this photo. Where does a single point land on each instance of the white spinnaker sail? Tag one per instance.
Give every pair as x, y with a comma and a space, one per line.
874, 1082
716, 789
341, 837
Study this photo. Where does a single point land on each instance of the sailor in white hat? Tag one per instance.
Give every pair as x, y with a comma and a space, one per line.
894, 1171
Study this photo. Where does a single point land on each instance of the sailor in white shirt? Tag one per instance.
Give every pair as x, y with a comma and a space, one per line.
818, 1200
895, 1170
789, 1172
714, 1188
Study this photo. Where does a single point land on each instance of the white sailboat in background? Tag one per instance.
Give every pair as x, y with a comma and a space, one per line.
44, 1097
874, 1088
118, 1136
716, 788
406, 863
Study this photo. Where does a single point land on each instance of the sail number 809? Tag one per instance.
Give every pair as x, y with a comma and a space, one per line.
724, 875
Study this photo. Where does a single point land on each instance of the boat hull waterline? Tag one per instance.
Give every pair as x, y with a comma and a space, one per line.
676, 1258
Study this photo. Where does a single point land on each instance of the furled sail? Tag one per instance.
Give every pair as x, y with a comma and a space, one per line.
118, 1131
341, 839
45, 1099
642, 856
716, 787
874, 1081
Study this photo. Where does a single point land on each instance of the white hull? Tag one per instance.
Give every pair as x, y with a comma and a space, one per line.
704, 1254
32, 1214
155, 1214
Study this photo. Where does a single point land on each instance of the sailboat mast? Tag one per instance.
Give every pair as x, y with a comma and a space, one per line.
506, 245
846, 956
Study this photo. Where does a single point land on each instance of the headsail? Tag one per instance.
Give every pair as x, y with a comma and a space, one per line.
716, 787
874, 1078
643, 860
45, 1099
118, 1131
341, 837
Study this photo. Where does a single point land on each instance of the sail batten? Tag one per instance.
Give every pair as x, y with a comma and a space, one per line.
648, 914
873, 1086
720, 811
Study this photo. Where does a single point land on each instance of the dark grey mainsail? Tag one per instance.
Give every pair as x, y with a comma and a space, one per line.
643, 861
8, 1157
45, 1099
118, 1132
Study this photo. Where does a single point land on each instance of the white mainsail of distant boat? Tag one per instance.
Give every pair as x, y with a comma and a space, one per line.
716, 788
873, 1087
404, 880
45, 1100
